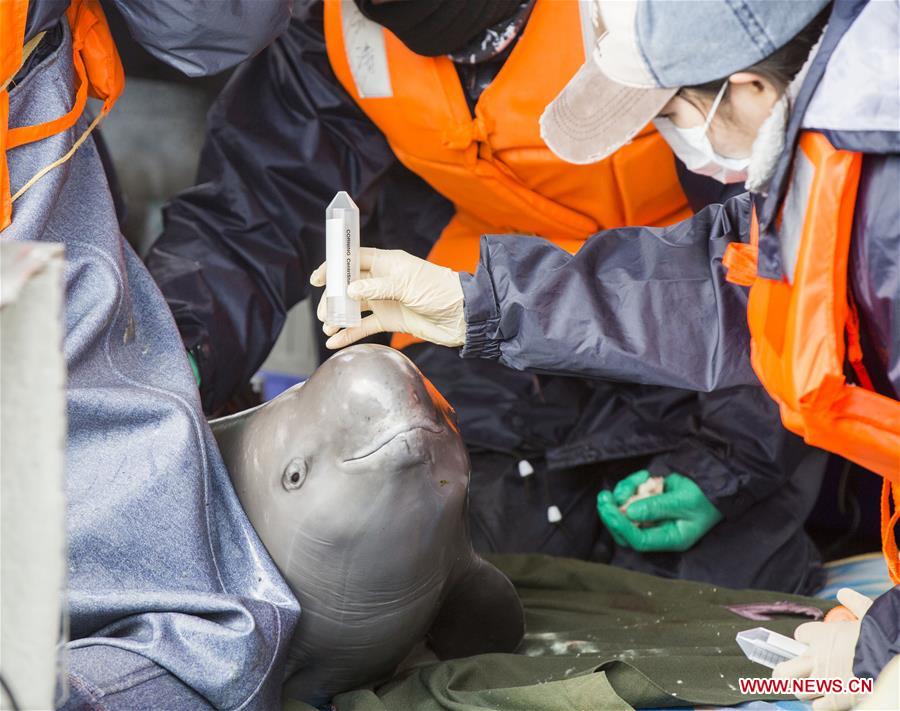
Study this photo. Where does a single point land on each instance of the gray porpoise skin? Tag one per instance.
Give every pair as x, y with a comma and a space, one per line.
356, 482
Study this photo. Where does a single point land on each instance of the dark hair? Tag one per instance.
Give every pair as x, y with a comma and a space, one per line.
782, 65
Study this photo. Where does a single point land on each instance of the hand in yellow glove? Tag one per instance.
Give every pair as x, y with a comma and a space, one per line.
404, 294
832, 646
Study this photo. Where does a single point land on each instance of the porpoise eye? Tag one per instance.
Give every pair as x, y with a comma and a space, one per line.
294, 474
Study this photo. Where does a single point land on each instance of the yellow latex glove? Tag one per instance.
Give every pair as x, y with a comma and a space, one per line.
404, 294
832, 646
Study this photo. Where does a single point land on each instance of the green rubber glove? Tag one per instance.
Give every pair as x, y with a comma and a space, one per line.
682, 511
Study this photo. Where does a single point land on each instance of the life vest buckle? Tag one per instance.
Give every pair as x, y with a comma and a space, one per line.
463, 135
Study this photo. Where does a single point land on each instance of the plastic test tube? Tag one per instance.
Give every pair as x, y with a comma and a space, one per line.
342, 260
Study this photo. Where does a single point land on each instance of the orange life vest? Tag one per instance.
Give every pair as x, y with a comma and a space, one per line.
97, 66
804, 327
495, 167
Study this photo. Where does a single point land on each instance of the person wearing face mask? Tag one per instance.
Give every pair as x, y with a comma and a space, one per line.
816, 240
692, 145
427, 113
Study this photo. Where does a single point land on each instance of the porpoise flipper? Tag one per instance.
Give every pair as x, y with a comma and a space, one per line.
481, 613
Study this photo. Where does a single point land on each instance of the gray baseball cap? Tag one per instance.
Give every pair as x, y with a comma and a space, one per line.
648, 49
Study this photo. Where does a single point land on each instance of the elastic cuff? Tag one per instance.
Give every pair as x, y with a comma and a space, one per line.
482, 316
479, 343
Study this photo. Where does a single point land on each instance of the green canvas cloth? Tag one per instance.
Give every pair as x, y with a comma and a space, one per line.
597, 637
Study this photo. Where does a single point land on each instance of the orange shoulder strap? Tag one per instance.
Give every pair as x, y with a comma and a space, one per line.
889, 523
97, 67
13, 17
804, 329
740, 258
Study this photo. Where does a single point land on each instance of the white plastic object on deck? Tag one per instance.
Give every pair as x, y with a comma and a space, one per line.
768, 648
342, 260
554, 515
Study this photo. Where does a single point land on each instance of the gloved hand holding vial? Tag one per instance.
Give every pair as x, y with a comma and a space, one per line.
342, 260
404, 294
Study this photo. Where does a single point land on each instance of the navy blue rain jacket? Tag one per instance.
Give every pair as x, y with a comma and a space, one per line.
652, 305
209, 38
238, 247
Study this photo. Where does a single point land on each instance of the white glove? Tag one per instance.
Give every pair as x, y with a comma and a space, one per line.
832, 646
405, 294
886, 694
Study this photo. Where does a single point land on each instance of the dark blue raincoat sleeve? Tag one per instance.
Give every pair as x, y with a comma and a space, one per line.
875, 269
197, 38
204, 36
645, 305
879, 635
637, 304
238, 247
102, 677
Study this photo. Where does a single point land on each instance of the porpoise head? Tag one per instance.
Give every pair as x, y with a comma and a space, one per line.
356, 483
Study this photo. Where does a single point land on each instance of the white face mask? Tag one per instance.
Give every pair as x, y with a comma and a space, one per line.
692, 146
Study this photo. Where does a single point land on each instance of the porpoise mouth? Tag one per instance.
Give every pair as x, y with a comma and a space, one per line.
394, 434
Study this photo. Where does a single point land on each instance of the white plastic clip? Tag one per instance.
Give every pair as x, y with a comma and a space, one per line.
554, 515
525, 468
